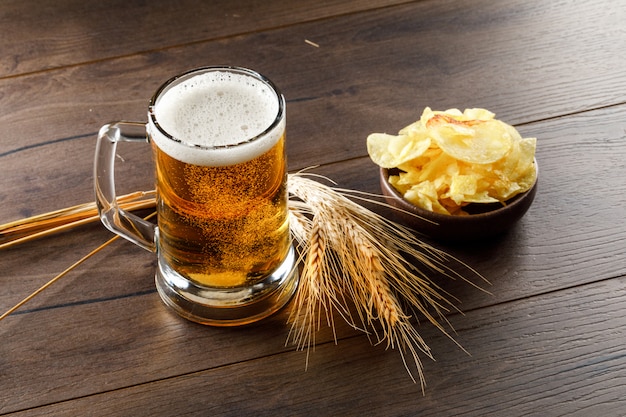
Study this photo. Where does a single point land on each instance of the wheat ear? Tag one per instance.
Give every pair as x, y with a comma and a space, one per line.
376, 266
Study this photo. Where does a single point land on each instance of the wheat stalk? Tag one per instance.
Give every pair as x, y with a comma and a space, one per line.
24, 230
375, 264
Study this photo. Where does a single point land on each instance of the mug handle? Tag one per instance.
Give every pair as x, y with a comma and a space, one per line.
121, 222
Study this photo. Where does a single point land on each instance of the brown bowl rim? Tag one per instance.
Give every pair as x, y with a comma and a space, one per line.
442, 225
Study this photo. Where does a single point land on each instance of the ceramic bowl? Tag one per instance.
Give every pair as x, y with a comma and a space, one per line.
484, 220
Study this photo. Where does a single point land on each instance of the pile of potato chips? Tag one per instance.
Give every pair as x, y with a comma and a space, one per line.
449, 159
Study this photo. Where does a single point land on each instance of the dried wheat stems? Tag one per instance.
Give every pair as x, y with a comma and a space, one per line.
23, 230
373, 272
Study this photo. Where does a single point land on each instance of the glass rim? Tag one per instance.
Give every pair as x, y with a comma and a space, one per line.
232, 69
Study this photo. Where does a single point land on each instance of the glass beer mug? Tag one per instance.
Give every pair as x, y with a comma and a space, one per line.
222, 238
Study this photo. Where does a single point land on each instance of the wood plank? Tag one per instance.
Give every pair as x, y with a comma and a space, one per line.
569, 237
391, 65
79, 349
545, 253
553, 326
60, 174
85, 32
28, 267
117, 317
550, 355
26, 190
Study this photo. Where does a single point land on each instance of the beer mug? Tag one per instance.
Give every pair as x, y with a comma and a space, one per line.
222, 241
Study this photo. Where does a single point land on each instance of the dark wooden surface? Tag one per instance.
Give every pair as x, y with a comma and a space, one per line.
548, 341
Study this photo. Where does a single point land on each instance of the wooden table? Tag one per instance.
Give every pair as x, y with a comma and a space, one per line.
548, 341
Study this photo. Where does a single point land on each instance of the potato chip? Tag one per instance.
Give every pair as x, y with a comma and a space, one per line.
473, 141
448, 159
389, 151
478, 114
425, 195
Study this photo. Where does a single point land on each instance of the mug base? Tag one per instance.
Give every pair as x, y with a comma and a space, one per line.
235, 306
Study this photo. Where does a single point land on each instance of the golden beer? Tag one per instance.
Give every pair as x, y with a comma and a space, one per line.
223, 226
221, 179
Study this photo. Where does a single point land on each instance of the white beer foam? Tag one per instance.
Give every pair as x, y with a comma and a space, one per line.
216, 108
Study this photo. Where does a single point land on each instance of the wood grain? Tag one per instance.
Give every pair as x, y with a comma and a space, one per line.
70, 32
543, 253
537, 271
342, 100
125, 340
548, 340
549, 356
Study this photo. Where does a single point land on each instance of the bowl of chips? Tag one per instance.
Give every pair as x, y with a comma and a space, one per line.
482, 221
457, 176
